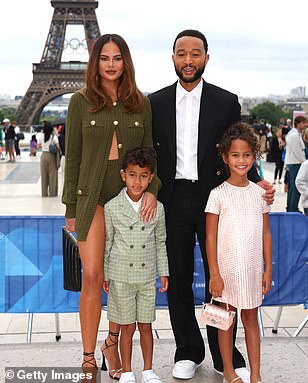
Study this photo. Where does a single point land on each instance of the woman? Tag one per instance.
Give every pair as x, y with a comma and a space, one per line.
49, 169
107, 117
277, 147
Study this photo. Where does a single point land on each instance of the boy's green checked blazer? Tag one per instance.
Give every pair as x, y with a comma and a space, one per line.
135, 250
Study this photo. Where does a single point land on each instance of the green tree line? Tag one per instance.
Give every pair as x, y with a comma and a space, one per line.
269, 112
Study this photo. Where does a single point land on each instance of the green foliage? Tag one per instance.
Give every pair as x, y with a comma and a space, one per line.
270, 112
7, 113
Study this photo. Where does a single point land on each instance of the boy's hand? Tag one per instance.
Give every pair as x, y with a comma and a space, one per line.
266, 282
270, 191
70, 224
216, 286
148, 207
106, 287
164, 284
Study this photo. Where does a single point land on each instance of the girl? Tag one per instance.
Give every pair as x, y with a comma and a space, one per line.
238, 244
33, 145
107, 117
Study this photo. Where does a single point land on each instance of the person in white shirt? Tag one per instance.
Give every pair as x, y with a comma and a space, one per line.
301, 183
295, 156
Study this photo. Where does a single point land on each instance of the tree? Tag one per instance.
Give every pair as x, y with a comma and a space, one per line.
269, 112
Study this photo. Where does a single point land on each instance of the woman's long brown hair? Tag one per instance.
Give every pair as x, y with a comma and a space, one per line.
128, 91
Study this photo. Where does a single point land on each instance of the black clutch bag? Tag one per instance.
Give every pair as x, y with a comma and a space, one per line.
71, 262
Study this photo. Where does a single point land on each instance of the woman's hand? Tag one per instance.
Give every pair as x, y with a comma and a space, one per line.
148, 207
70, 224
216, 286
270, 191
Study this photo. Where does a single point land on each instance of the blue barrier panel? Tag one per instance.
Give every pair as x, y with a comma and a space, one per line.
31, 273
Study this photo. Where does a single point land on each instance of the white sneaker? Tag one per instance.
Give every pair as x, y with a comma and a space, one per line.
149, 376
184, 369
243, 373
127, 377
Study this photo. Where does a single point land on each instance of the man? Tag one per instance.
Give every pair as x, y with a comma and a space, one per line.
189, 118
9, 139
295, 156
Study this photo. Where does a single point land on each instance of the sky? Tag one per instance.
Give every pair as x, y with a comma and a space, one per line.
256, 48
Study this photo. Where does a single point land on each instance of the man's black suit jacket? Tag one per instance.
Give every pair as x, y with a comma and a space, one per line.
219, 109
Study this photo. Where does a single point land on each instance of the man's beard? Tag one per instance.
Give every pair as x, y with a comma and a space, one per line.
196, 76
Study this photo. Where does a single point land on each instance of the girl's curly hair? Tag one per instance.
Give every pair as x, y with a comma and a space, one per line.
240, 131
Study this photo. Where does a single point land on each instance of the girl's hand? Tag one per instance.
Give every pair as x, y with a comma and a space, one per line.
266, 282
164, 284
270, 191
70, 224
106, 287
216, 286
148, 207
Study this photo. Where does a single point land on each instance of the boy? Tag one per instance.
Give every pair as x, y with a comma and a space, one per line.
134, 251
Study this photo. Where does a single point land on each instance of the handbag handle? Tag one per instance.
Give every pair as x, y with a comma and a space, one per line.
222, 296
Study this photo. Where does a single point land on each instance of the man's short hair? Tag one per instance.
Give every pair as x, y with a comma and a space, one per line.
299, 119
192, 33
142, 156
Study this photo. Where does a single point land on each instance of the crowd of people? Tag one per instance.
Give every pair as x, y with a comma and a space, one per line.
146, 176
51, 136
11, 135
288, 148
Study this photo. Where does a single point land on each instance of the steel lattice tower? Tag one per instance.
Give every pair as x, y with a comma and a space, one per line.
51, 77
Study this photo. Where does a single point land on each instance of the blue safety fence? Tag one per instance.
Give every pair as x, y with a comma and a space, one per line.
31, 272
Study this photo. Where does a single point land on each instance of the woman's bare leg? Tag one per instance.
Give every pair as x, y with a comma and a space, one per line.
92, 256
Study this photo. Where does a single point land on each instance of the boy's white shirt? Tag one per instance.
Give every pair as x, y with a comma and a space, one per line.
136, 205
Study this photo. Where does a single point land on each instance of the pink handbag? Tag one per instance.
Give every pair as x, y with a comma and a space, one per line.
216, 316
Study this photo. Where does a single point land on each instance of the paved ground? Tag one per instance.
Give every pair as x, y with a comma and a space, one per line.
284, 358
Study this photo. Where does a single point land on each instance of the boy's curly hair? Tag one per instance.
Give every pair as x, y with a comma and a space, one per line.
142, 156
240, 131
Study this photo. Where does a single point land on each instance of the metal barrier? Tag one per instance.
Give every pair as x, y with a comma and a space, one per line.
31, 279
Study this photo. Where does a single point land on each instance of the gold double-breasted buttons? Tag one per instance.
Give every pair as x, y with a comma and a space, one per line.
115, 123
218, 172
217, 146
120, 146
114, 103
93, 122
137, 123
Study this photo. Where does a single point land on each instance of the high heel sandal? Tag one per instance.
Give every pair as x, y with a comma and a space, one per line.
112, 373
88, 358
232, 381
90, 361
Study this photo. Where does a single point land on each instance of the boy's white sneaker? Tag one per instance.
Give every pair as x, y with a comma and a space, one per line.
149, 376
127, 377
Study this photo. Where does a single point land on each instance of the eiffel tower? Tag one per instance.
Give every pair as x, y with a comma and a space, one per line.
52, 77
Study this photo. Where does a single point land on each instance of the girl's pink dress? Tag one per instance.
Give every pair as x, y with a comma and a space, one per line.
239, 242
